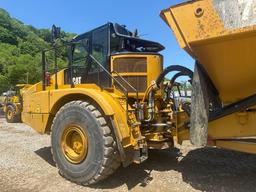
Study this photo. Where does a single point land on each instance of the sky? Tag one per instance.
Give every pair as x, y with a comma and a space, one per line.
79, 16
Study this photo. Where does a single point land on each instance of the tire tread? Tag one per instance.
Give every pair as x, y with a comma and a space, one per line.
111, 159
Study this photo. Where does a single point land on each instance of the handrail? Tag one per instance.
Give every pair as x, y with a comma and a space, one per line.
120, 84
134, 89
98, 63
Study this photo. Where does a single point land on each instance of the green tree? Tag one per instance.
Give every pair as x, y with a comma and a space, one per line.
4, 83
20, 51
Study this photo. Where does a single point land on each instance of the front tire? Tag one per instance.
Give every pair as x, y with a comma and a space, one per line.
83, 145
11, 115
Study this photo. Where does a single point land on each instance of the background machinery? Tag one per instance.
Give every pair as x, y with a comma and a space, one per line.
109, 105
12, 105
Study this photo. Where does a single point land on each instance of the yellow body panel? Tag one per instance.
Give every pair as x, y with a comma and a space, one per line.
235, 125
36, 109
226, 51
37, 121
248, 147
182, 133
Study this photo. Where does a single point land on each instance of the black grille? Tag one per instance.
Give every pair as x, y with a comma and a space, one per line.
129, 65
138, 82
132, 65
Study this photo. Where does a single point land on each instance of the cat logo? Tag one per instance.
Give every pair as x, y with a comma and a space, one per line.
77, 80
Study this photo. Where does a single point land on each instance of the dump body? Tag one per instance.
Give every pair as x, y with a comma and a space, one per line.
220, 34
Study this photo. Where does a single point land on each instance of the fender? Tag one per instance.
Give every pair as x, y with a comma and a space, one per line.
57, 97
107, 102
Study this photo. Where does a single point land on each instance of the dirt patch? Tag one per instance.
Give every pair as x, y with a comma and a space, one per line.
26, 165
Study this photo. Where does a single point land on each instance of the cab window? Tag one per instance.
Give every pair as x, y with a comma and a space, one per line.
99, 48
80, 53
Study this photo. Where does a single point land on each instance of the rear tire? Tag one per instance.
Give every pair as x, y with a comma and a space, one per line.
11, 115
101, 158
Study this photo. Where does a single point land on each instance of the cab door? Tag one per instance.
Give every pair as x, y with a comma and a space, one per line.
100, 51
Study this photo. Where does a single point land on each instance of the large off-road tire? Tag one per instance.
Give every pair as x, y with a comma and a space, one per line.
83, 145
11, 115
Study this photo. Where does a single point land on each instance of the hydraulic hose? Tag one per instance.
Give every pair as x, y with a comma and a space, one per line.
183, 70
177, 75
151, 97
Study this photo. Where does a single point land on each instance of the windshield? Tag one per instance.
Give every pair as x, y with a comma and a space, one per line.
123, 40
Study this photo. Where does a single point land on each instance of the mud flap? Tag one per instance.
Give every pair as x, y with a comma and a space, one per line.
199, 110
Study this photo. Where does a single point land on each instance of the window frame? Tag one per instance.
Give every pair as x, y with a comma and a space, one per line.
106, 64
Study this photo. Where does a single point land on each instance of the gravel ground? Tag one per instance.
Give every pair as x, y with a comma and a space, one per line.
26, 165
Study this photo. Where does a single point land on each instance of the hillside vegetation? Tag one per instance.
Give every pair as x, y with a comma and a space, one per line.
20, 51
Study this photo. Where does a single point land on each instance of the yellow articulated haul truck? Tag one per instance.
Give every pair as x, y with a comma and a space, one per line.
110, 105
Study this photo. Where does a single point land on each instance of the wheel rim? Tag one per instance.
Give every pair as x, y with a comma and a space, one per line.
9, 114
74, 144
